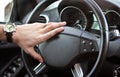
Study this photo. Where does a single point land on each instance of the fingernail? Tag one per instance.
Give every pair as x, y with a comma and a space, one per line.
64, 23
41, 61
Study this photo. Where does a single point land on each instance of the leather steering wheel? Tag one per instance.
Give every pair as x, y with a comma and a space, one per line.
69, 47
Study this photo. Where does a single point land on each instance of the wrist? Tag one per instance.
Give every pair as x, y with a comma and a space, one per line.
2, 34
16, 35
9, 29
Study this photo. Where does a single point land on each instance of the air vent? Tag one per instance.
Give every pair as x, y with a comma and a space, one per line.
42, 19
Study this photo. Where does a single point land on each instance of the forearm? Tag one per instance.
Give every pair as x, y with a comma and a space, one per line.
2, 34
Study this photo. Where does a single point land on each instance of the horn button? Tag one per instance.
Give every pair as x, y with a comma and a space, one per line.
64, 49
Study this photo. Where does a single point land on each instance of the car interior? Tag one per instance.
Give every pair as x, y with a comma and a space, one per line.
89, 46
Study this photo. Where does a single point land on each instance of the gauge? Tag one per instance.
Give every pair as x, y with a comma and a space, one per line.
74, 17
113, 18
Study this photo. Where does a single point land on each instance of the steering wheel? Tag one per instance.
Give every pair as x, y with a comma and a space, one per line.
71, 46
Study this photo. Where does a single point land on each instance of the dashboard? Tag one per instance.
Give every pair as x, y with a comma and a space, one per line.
111, 10
82, 18
79, 17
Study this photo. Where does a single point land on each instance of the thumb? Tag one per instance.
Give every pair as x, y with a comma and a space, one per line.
34, 54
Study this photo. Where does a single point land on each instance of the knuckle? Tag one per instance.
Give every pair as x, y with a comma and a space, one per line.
38, 40
51, 26
42, 39
51, 34
35, 23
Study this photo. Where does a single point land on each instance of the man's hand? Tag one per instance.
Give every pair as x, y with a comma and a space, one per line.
29, 35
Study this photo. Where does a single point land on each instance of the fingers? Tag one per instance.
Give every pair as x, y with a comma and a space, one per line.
51, 33
34, 54
51, 26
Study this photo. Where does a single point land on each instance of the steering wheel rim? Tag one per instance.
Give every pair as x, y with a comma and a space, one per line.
101, 19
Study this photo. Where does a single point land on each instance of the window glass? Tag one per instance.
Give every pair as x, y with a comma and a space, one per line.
5, 10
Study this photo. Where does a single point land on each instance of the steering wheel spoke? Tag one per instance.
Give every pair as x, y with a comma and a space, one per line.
77, 71
39, 68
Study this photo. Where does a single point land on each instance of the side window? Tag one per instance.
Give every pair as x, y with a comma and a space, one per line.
6, 9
